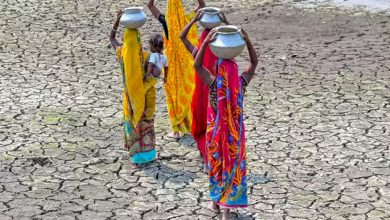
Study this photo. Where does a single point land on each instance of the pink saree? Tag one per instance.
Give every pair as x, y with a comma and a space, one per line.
226, 138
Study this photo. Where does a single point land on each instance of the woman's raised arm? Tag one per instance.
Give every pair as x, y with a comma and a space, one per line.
184, 33
153, 9
204, 74
250, 69
114, 42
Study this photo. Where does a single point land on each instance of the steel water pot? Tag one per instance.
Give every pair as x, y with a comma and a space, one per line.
210, 18
133, 17
229, 42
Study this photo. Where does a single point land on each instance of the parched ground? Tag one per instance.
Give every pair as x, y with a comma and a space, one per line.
318, 118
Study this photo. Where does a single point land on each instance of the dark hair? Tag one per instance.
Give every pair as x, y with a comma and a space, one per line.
157, 41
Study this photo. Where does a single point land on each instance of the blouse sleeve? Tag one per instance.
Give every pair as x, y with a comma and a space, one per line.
153, 58
162, 20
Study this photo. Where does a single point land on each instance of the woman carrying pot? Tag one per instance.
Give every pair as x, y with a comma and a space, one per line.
179, 85
225, 136
139, 96
200, 97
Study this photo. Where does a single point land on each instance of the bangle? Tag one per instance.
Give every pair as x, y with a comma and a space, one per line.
194, 52
245, 80
212, 84
114, 29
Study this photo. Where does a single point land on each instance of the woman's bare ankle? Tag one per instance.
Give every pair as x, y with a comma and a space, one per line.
226, 214
215, 207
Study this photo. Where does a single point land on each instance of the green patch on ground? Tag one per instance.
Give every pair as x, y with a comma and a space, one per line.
56, 118
7, 157
70, 147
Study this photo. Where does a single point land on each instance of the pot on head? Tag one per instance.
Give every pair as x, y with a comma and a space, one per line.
229, 42
133, 17
210, 18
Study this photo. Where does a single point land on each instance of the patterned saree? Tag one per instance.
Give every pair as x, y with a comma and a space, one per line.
180, 83
226, 138
139, 100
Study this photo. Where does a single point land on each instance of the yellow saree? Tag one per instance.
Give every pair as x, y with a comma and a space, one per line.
139, 100
180, 83
133, 75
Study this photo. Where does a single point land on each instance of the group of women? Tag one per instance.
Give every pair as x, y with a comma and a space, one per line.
206, 100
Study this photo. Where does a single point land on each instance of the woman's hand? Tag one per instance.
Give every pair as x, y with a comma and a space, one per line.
118, 18
245, 36
211, 36
119, 15
115, 44
198, 15
223, 18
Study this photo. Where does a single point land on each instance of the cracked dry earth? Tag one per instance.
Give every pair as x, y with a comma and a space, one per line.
318, 118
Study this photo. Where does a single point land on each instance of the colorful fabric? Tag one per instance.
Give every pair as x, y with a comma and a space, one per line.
180, 83
146, 157
200, 100
226, 140
139, 100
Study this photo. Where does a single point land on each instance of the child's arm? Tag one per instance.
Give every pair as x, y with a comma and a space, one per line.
183, 35
250, 69
114, 42
151, 63
223, 18
203, 72
149, 70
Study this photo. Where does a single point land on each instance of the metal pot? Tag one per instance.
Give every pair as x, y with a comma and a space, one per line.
210, 18
229, 42
133, 17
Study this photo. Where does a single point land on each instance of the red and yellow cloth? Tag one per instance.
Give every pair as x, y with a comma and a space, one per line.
226, 140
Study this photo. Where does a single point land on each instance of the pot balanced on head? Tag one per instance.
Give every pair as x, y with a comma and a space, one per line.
228, 43
133, 17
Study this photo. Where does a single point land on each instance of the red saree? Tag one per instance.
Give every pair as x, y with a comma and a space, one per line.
200, 100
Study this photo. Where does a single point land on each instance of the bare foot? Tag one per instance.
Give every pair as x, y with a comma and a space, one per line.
175, 135
183, 134
135, 166
226, 215
215, 208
